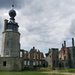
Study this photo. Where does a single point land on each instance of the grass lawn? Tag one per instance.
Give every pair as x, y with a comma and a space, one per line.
28, 73
71, 70
42, 71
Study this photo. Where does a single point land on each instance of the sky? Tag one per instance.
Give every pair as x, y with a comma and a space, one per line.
42, 23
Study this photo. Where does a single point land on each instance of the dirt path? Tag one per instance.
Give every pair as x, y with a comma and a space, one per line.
57, 72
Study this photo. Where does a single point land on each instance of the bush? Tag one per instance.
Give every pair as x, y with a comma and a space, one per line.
44, 69
29, 69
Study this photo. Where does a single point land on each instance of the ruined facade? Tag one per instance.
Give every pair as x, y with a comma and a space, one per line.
62, 58
33, 58
67, 56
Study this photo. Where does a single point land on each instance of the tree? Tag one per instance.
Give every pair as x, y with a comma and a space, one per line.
48, 52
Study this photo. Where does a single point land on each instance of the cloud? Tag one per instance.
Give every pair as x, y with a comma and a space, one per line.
5, 4
42, 23
72, 30
1, 27
46, 24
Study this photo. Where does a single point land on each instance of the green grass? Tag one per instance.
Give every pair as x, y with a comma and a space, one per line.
71, 70
28, 73
41, 71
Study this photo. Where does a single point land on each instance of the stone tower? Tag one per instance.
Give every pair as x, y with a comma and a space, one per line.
52, 58
10, 37
10, 59
55, 57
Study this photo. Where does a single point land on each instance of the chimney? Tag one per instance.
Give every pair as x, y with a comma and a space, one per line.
5, 23
64, 43
73, 42
33, 48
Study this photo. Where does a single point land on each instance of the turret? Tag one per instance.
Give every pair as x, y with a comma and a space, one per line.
5, 23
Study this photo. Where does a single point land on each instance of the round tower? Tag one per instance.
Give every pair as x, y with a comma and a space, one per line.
11, 37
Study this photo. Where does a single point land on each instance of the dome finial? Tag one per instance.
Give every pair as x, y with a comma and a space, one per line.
12, 13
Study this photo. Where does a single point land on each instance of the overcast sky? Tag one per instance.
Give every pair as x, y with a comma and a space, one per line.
43, 23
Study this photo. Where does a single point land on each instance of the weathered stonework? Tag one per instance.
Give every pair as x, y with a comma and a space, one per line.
33, 58
11, 64
10, 44
52, 58
67, 56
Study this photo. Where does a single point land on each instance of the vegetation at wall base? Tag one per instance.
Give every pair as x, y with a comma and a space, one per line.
38, 69
45, 69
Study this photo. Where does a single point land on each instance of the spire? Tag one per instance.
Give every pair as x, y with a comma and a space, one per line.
13, 5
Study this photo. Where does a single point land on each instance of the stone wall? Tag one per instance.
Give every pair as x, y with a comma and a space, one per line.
49, 60
55, 59
10, 44
52, 58
33, 58
11, 64
67, 55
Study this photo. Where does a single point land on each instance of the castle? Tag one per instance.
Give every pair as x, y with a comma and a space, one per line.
12, 60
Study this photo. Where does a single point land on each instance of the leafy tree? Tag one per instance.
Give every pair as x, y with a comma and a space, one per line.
48, 52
